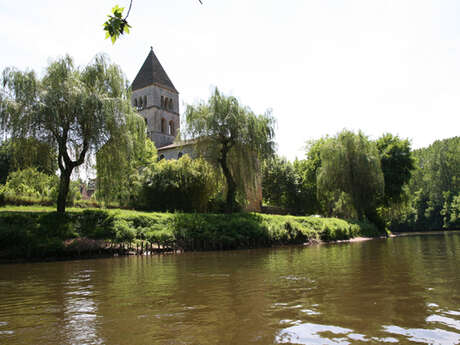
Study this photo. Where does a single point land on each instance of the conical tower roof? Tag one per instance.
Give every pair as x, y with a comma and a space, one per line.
152, 72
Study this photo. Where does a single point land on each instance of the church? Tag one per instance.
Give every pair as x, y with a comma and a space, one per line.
157, 100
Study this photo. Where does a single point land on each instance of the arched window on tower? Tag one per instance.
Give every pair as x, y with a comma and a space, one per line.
171, 128
170, 104
162, 101
163, 125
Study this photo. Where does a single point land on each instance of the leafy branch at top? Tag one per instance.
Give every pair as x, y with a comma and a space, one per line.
116, 25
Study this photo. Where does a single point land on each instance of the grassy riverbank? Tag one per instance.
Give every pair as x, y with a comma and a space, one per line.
38, 232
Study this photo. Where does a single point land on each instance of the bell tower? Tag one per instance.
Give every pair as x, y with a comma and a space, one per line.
157, 100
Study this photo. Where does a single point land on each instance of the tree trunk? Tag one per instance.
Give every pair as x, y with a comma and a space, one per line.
231, 185
64, 183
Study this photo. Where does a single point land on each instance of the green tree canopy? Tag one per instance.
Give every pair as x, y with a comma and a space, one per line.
435, 182
233, 138
350, 174
77, 110
279, 183
291, 186
397, 165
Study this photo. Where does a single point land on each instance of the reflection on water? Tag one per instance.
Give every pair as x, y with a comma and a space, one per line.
447, 321
402, 290
426, 336
80, 310
310, 333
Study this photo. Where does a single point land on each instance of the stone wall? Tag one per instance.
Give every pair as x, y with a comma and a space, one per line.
173, 152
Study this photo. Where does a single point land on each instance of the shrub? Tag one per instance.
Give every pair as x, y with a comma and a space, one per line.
30, 186
124, 233
39, 234
28, 183
97, 224
184, 184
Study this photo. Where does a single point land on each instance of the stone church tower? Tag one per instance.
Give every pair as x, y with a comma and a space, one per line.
157, 100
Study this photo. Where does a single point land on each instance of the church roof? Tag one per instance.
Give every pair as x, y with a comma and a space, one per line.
177, 144
150, 73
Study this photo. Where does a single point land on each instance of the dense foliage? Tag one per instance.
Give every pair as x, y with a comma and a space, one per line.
350, 179
397, 165
290, 186
279, 183
75, 110
232, 138
30, 186
120, 172
433, 193
23, 153
347, 176
185, 185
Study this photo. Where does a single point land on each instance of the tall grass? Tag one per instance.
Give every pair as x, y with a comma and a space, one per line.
29, 232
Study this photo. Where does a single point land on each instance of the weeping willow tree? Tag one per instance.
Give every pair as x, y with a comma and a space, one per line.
350, 178
233, 138
77, 110
119, 175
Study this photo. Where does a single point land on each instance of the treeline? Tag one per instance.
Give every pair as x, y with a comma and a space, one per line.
432, 199
346, 176
384, 181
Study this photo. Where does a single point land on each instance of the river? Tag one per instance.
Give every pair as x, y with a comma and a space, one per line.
397, 290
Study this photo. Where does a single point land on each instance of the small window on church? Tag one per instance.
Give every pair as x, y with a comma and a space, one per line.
171, 128
135, 102
145, 101
140, 102
170, 104
163, 126
162, 102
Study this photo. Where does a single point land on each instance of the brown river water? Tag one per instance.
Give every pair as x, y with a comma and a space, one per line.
400, 290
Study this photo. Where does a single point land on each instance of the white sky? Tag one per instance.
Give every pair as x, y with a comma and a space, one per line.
320, 65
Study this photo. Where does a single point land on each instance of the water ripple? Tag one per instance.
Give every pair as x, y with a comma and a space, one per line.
427, 336
310, 333
447, 321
